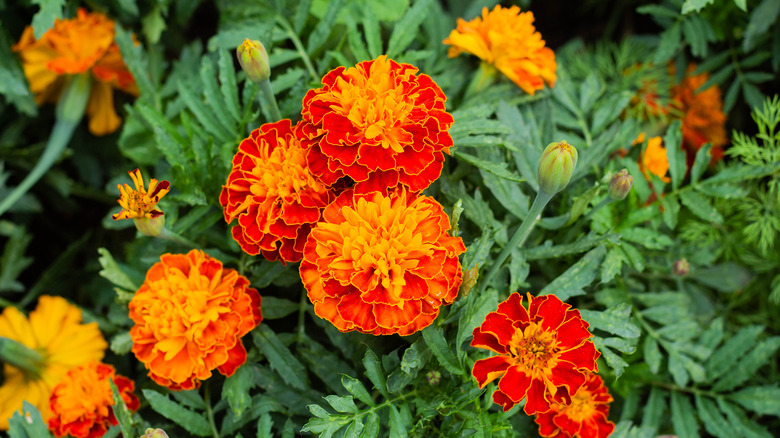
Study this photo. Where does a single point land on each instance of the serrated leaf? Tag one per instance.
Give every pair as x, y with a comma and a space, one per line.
43, 20
743, 369
694, 5
356, 388
590, 90
677, 369
279, 357
740, 422
670, 42
675, 155
612, 264
732, 350
497, 169
647, 238
137, 63
375, 373
652, 354
671, 209
613, 360
371, 429
578, 276
581, 245
343, 404
761, 18
700, 206
753, 95
615, 320
121, 343
609, 111
112, 272
236, 390
731, 95
764, 400
683, 416
435, 340
725, 191
712, 419
725, 277
27, 423
324, 27
397, 423
654, 410
193, 423
700, 163
275, 308
121, 412
407, 28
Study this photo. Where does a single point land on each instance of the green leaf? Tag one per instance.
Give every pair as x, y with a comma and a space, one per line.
612, 264
236, 390
137, 63
694, 5
725, 191
743, 369
761, 18
676, 367
205, 115
375, 373
405, 29
731, 95
355, 41
479, 305
590, 90
192, 422
608, 111
670, 42
372, 32
214, 96
264, 426
13, 83
652, 354
675, 155
122, 343
700, 163
13, 261
712, 419
654, 410
725, 277
753, 95
578, 276
435, 340
615, 320
371, 429
671, 207
742, 4
112, 272
763, 400
279, 357
647, 238
740, 422
356, 388
497, 169
43, 20
613, 360
122, 414
723, 358
343, 404
398, 422
276, 308
322, 31
28, 423
581, 245
683, 416
700, 206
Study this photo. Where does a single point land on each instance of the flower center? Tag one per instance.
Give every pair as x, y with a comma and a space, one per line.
284, 173
582, 406
534, 349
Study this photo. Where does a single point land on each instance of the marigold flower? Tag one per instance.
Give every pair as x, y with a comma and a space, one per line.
140, 203
703, 120
378, 123
381, 264
82, 402
81, 44
190, 314
585, 417
507, 39
654, 160
273, 194
544, 352
55, 329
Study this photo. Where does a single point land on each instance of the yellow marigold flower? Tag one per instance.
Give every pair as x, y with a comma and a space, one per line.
190, 314
507, 39
140, 203
55, 330
82, 44
654, 160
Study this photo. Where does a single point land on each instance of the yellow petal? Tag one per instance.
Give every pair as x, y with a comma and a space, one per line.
103, 119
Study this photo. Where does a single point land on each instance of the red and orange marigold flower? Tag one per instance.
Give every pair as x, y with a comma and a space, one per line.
585, 417
272, 193
382, 264
507, 39
82, 403
378, 123
190, 314
78, 45
544, 352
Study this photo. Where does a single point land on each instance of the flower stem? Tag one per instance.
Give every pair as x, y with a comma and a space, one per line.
597, 207
268, 93
209, 410
174, 237
541, 200
70, 110
483, 79
298, 46
302, 317
20, 356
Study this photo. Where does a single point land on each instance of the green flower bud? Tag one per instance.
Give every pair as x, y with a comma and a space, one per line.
681, 267
620, 185
150, 227
556, 166
154, 433
433, 377
254, 60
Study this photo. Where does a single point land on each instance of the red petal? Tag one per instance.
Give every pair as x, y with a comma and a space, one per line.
358, 312
501, 399
582, 357
572, 333
487, 370
236, 358
515, 383
394, 317
488, 341
499, 325
552, 311
536, 401
565, 374
513, 308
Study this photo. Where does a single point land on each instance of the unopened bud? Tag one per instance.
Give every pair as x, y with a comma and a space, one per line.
620, 185
433, 377
681, 267
556, 166
154, 433
254, 60
470, 277
151, 227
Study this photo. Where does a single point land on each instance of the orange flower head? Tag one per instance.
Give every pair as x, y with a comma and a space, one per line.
78, 45
190, 314
703, 120
586, 416
381, 264
82, 402
55, 330
654, 160
507, 39
140, 203
273, 194
378, 123
544, 353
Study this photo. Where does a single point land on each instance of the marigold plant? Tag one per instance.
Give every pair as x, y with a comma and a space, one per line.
273, 194
703, 120
382, 264
544, 352
507, 39
84, 43
82, 402
586, 416
55, 330
190, 314
378, 123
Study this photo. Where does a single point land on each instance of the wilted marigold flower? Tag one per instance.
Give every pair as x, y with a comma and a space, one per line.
703, 120
273, 194
78, 45
55, 329
82, 403
507, 39
190, 314
378, 123
544, 353
381, 264
654, 160
586, 416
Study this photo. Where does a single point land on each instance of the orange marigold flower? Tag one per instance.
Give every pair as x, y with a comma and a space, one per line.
544, 352
378, 123
703, 120
140, 203
654, 160
381, 264
507, 39
55, 330
585, 417
273, 194
81, 44
190, 314
82, 402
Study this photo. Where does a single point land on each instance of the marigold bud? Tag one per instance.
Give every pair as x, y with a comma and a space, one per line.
154, 433
433, 377
150, 227
254, 60
470, 277
556, 166
681, 267
620, 185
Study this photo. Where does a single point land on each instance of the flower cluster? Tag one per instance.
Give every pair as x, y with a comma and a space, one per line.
79, 45
190, 314
82, 402
507, 39
545, 357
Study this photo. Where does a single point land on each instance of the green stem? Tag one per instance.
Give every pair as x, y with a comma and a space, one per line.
265, 87
20, 356
298, 46
174, 237
541, 200
484, 78
209, 410
301, 317
598, 206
